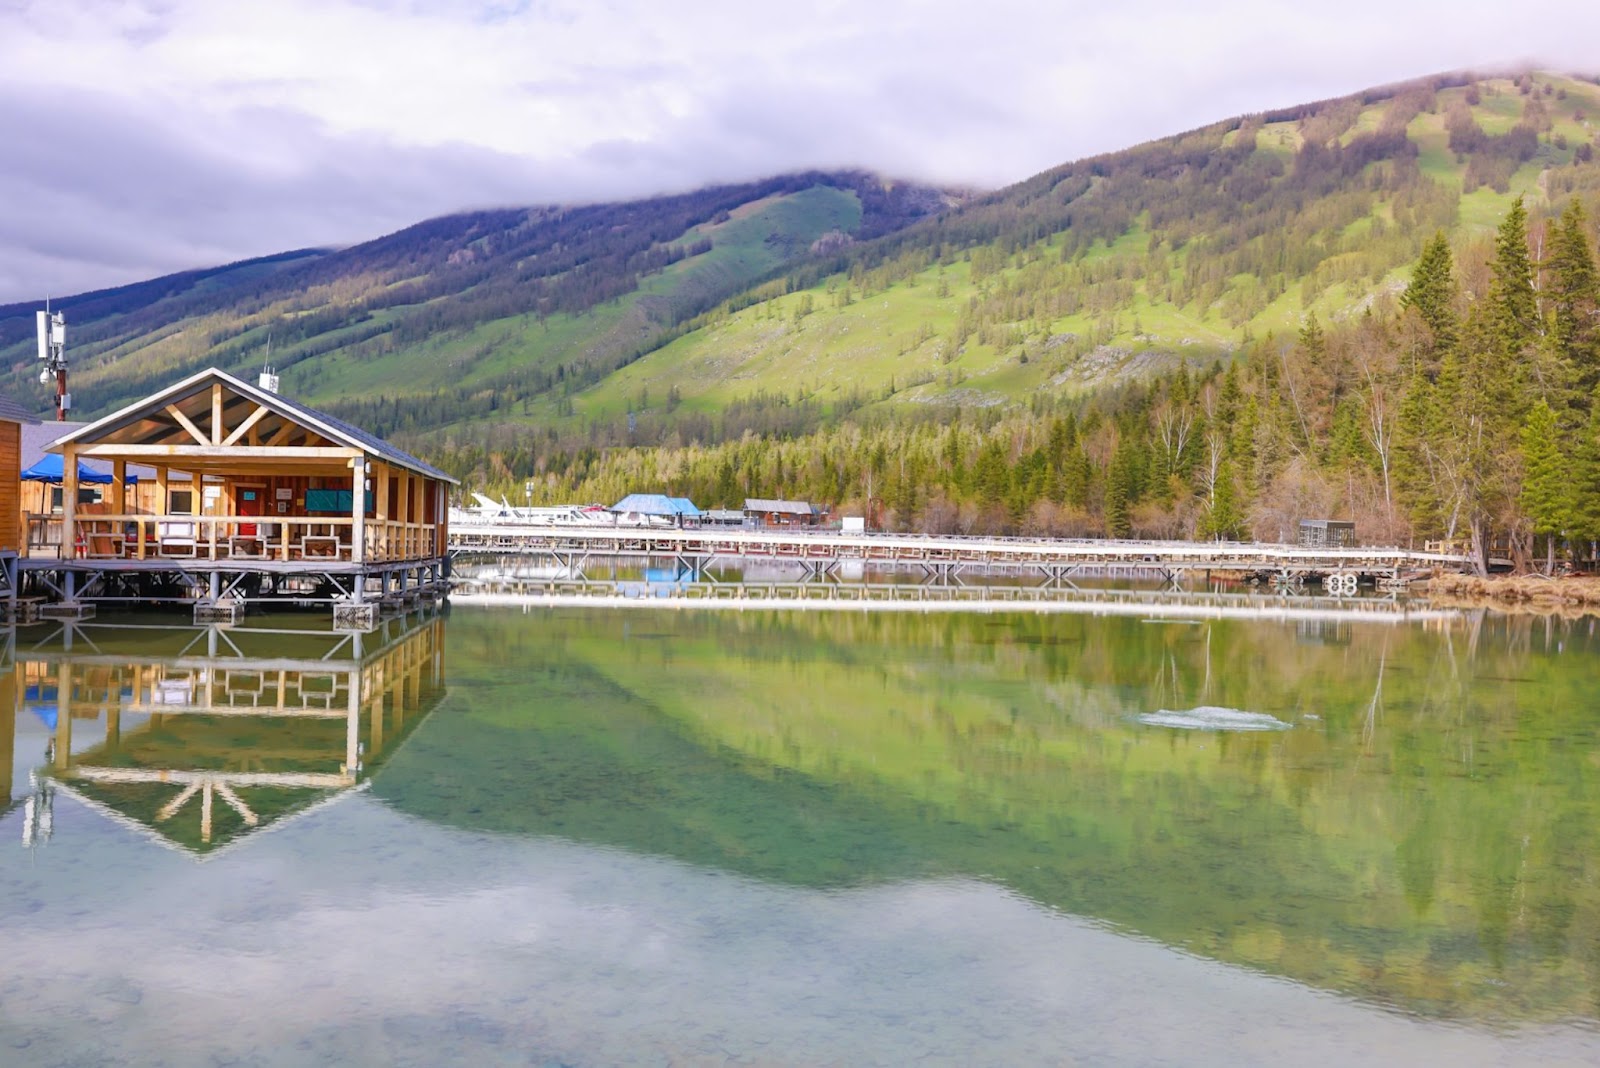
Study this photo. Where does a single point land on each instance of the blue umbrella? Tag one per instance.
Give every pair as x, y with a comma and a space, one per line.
50, 469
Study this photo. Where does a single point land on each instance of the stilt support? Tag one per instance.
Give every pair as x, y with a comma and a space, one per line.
70, 610
225, 611
355, 615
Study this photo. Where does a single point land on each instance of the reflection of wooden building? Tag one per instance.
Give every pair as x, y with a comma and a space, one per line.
12, 419
254, 496
214, 733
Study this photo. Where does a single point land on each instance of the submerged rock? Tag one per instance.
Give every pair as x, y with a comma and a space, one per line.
1213, 718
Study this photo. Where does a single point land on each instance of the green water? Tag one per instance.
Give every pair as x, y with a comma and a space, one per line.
598, 836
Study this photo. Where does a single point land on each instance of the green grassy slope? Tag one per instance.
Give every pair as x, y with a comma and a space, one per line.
1119, 311
478, 306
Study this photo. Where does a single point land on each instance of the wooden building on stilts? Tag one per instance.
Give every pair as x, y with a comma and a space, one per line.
256, 499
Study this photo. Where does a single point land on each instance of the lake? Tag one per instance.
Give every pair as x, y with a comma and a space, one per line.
594, 836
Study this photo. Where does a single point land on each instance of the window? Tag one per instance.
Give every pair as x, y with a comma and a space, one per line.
182, 502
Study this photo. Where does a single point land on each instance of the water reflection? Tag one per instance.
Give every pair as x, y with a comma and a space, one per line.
1419, 834
801, 838
201, 736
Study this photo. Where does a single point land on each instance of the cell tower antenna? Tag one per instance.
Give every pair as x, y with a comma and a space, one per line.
52, 327
268, 380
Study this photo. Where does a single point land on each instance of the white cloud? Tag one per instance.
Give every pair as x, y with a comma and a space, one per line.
258, 107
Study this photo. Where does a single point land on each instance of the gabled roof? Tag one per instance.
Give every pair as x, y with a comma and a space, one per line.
12, 412
764, 504
656, 504
37, 437
326, 425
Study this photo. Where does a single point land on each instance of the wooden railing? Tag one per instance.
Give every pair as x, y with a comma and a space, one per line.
229, 537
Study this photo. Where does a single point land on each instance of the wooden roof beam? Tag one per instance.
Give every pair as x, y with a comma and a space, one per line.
185, 422
244, 428
240, 453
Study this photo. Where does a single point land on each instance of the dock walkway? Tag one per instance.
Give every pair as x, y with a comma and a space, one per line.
946, 555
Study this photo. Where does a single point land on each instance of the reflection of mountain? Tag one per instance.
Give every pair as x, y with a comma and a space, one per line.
208, 734
1418, 834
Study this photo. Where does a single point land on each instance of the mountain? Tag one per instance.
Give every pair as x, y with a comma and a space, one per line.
459, 316
1108, 268
673, 309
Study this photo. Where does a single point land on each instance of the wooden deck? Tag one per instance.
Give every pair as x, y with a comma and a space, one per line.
823, 551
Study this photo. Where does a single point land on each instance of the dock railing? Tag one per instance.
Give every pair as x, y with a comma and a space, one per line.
228, 537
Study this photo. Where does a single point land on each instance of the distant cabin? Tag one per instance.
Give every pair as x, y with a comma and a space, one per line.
763, 512
1327, 534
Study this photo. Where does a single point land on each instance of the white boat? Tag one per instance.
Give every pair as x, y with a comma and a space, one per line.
500, 513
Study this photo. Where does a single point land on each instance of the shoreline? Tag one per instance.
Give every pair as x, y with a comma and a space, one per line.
1522, 594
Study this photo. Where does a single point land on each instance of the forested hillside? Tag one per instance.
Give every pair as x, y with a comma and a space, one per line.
1226, 344
1468, 411
463, 316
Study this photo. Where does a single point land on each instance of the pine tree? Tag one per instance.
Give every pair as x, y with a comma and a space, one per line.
1432, 293
1512, 300
1077, 476
1229, 397
1583, 482
1575, 298
1222, 517
1414, 484
1545, 480
1119, 493
1312, 340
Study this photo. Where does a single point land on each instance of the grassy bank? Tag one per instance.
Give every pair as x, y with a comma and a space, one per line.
1530, 592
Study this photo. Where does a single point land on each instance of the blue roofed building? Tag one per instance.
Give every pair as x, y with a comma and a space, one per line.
655, 509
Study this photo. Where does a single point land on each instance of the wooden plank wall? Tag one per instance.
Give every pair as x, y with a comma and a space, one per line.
10, 486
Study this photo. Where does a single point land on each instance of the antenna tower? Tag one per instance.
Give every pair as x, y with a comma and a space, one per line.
53, 351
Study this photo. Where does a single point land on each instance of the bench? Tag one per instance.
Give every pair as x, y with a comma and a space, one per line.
176, 539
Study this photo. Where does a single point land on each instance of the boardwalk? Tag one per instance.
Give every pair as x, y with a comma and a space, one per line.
1057, 560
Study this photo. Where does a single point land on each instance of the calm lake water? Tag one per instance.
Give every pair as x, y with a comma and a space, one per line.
587, 836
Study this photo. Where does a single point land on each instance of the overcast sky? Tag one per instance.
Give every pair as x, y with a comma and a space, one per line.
139, 138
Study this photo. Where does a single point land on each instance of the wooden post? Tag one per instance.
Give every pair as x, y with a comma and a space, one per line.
160, 509
352, 728
376, 726
413, 509
441, 519
385, 516
63, 714
69, 501
358, 510
8, 728
212, 513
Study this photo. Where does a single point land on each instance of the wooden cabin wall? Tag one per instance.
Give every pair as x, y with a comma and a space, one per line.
10, 486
